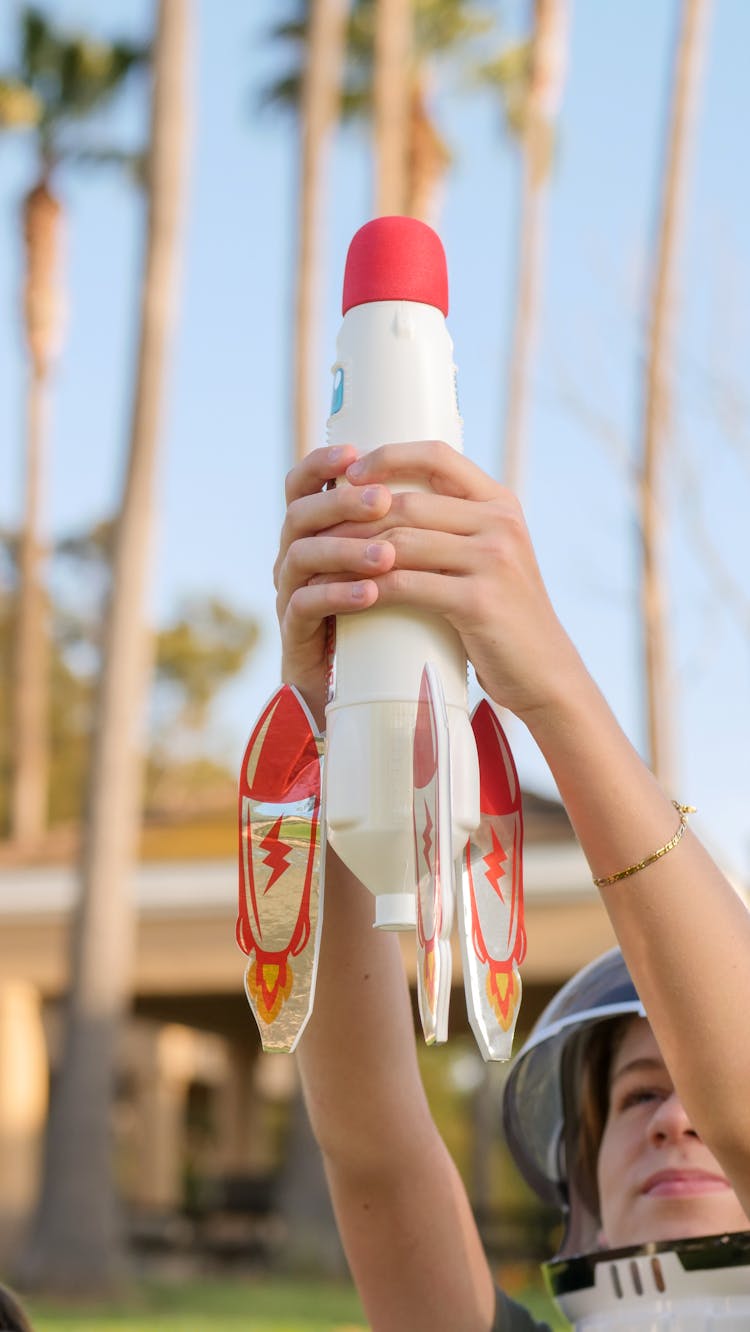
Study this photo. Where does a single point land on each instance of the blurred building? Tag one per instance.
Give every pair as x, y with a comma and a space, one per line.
195, 1103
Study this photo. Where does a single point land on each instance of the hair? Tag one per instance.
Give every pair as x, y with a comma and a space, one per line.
12, 1316
593, 1105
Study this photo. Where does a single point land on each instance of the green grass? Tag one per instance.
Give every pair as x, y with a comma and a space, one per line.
227, 1306
213, 1306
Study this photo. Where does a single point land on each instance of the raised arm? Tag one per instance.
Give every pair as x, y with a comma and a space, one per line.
466, 553
684, 931
402, 1211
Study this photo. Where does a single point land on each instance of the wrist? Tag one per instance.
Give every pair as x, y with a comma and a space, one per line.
562, 703
310, 687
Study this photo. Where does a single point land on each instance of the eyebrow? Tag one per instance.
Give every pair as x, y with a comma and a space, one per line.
643, 1065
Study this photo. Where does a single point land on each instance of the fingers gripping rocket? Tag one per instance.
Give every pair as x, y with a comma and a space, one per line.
411, 790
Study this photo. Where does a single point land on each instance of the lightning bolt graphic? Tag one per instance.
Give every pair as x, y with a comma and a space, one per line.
276, 859
494, 861
426, 838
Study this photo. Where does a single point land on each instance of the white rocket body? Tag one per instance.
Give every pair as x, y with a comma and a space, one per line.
394, 382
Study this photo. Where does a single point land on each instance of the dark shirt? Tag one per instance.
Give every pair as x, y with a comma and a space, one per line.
512, 1317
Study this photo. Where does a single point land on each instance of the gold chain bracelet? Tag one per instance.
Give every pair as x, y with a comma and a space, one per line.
683, 811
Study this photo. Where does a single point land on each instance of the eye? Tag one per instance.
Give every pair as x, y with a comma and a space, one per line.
641, 1095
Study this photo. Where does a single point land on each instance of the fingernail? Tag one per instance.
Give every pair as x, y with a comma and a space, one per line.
356, 468
334, 454
374, 552
371, 496
358, 591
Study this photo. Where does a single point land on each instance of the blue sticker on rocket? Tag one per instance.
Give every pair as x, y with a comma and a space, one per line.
337, 401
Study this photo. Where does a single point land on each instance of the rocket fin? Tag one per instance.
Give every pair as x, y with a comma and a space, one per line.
493, 937
281, 855
433, 856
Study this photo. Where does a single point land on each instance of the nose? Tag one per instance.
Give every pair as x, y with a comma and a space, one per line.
669, 1121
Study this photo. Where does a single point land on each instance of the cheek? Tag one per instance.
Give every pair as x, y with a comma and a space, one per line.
619, 1147
604, 1162
737, 1216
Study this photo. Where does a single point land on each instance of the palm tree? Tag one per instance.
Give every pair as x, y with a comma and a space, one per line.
530, 79
438, 27
77, 1240
435, 29
60, 83
690, 57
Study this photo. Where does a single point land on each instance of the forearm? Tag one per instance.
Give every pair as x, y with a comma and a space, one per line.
357, 1057
684, 931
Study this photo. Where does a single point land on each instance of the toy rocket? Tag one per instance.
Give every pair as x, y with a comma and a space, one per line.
419, 800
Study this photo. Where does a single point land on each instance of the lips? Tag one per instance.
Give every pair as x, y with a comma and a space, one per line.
683, 1184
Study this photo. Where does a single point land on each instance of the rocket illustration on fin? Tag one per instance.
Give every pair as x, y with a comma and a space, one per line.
493, 938
433, 857
281, 867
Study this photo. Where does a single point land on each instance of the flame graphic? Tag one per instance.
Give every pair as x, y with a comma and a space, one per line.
270, 984
428, 971
276, 859
503, 992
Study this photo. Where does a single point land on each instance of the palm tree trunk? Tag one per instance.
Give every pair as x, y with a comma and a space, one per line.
30, 681
523, 337
428, 155
393, 43
42, 303
656, 417
320, 99
548, 58
77, 1241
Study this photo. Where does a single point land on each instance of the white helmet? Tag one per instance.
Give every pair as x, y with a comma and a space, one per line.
541, 1103
687, 1285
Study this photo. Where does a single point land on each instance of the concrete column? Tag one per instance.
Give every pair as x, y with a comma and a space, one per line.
162, 1076
245, 1145
24, 1080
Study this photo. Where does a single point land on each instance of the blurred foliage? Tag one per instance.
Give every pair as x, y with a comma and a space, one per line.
206, 645
452, 1075
441, 28
59, 79
509, 75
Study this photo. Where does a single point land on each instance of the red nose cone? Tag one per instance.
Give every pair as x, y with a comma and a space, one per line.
396, 259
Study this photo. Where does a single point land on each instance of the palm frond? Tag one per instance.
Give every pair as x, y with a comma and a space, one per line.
133, 163
20, 107
39, 46
69, 75
508, 76
441, 27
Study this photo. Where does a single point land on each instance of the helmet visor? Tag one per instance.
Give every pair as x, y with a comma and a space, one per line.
541, 1104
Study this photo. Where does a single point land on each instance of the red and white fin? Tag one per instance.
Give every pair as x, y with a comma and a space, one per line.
493, 937
281, 867
433, 856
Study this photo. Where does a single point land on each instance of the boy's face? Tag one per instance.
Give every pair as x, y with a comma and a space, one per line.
657, 1180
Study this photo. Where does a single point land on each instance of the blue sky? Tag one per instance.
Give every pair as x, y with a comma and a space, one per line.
226, 446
